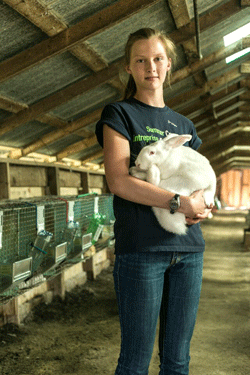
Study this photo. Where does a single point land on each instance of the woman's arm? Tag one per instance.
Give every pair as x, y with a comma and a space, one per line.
121, 183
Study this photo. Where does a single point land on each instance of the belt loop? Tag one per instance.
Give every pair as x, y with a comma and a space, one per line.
173, 260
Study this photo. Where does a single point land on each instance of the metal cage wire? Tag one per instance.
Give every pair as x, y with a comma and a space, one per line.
35, 234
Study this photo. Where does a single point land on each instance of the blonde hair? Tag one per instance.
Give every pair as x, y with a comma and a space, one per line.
146, 33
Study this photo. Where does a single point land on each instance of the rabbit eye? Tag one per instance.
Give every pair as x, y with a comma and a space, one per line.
151, 153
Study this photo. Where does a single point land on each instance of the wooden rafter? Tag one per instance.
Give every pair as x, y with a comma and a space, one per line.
57, 134
77, 147
218, 114
80, 32
99, 78
219, 84
97, 23
92, 157
59, 98
181, 16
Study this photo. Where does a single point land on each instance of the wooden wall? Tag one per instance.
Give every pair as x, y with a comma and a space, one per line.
25, 180
235, 188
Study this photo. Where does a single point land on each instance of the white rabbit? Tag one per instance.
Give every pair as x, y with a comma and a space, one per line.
176, 168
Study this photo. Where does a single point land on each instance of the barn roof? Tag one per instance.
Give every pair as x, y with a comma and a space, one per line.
61, 61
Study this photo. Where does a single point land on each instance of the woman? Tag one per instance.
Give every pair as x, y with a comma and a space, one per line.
156, 272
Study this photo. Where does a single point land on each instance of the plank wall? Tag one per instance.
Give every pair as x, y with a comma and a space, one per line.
18, 180
235, 188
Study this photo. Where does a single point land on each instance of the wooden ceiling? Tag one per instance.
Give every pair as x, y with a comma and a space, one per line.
61, 61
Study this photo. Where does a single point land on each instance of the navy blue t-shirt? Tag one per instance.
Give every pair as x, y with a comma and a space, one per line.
136, 227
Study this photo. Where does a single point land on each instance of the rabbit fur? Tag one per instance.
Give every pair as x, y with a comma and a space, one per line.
170, 165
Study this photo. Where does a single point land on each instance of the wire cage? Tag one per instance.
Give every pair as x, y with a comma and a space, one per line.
17, 230
38, 234
49, 248
105, 208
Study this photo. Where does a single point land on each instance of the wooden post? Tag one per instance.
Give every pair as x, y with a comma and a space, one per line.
85, 182
53, 181
4, 181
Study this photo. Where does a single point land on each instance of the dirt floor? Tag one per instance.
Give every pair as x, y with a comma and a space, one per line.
80, 335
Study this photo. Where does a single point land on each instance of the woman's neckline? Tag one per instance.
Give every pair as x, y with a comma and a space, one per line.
148, 105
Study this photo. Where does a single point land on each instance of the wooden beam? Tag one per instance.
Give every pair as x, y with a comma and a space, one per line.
203, 64
208, 20
99, 78
92, 157
11, 105
47, 118
77, 147
57, 134
54, 100
53, 181
179, 10
232, 95
100, 22
213, 101
218, 82
4, 181
40, 15
230, 108
80, 32
245, 68
239, 138
246, 42
245, 3
181, 16
85, 53
51, 25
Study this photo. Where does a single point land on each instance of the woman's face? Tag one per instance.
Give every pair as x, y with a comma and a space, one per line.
149, 64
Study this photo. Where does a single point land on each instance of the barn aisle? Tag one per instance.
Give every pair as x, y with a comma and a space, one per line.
221, 343
80, 335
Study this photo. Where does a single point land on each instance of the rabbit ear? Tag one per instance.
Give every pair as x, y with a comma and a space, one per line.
178, 141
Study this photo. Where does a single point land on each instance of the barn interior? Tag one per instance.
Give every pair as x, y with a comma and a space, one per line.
61, 62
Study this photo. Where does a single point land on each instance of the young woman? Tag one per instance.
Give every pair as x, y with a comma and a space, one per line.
156, 273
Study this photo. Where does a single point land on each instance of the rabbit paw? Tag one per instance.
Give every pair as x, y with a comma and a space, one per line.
135, 172
208, 198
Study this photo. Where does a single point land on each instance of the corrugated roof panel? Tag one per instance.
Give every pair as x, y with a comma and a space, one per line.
73, 11
3, 115
81, 105
91, 127
203, 5
178, 88
17, 33
44, 79
25, 134
209, 44
222, 67
110, 43
61, 144
85, 152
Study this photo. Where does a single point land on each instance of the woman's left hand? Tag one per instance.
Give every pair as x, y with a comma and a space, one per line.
199, 217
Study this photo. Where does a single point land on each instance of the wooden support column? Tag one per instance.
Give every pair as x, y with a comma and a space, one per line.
245, 3
85, 182
4, 181
53, 181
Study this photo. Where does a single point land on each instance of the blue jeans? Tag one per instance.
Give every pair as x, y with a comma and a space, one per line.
149, 285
